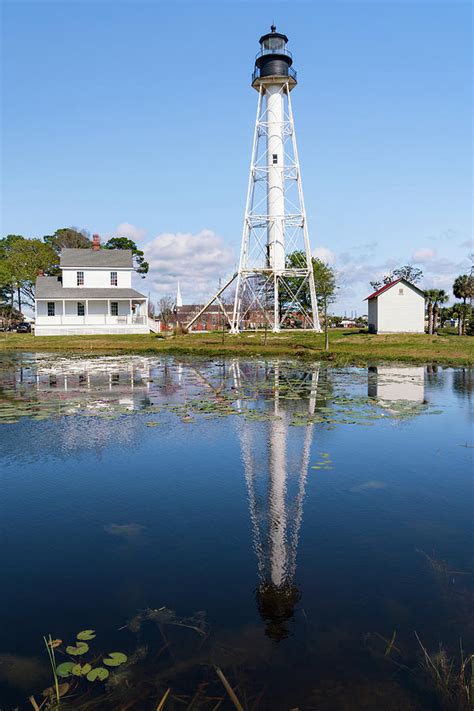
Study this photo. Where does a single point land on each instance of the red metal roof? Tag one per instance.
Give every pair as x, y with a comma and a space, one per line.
383, 288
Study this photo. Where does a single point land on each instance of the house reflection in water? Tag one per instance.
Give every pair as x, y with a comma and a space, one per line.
94, 384
389, 384
276, 460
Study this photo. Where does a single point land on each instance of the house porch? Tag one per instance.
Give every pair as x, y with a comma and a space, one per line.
91, 316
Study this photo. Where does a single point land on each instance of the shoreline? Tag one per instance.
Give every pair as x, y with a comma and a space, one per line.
350, 348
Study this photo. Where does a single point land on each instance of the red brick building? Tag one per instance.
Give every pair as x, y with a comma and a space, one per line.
214, 320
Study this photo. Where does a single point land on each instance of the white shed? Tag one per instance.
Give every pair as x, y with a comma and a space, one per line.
398, 307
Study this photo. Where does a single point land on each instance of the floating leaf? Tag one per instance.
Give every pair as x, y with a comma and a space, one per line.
50, 692
86, 634
64, 669
98, 674
81, 669
80, 648
115, 659
53, 643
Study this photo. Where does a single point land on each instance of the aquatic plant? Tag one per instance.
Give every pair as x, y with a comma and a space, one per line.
50, 647
446, 681
449, 676
194, 671
74, 670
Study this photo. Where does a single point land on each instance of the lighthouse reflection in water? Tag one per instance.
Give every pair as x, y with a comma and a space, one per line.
276, 460
275, 454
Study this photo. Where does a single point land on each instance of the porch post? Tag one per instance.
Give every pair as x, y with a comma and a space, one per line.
86, 310
108, 310
64, 311
130, 313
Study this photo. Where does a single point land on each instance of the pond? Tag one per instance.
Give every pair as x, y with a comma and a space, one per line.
269, 533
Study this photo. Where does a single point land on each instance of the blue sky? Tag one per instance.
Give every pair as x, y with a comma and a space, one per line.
136, 118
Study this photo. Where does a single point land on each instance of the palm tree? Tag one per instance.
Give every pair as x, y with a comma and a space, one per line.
463, 287
461, 312
429, 298
445, 313
439, 297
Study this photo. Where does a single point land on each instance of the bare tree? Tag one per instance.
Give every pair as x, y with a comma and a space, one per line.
409, 273
165, 309
151, 309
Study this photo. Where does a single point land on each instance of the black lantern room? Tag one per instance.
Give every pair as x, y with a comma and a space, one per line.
273, 60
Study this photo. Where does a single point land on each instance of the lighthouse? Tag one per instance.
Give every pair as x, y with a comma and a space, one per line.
275, 274
274, 283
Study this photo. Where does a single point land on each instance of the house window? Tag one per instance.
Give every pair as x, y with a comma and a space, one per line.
81, 311
275, 159
80, 278
51, 308
114, 308
400, 291
113, 279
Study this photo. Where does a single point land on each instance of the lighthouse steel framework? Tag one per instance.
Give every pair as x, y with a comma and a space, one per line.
275, 280
275, 275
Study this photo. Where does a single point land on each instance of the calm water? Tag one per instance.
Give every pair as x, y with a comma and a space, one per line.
292, 516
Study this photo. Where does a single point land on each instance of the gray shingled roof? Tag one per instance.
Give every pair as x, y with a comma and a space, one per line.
52, 288
96, 258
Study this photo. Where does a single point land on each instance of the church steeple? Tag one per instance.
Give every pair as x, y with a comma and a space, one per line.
179, 299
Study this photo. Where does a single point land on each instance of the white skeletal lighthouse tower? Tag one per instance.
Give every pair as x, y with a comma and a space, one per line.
275, 276
274, 284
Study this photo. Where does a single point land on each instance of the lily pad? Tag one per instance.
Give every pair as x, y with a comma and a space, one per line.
78, 649
86, 634
64, 669
115, 659
81, 669
98, 674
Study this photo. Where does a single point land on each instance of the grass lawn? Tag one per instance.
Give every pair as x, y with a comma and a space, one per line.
344, 346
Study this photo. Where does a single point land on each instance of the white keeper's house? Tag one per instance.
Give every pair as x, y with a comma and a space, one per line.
93, 295
398, 307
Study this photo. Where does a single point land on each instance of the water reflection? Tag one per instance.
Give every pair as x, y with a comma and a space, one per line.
94, 385
135, 517
463, 382
276, 467
399, 390
270, 398
390, 384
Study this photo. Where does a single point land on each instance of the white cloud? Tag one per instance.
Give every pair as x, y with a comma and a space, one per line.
125, 229
197, 261
325, 255
423, 255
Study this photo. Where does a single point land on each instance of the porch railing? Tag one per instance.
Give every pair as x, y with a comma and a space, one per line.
90, 320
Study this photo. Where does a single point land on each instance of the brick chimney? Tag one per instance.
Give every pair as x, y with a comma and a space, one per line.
95, 242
